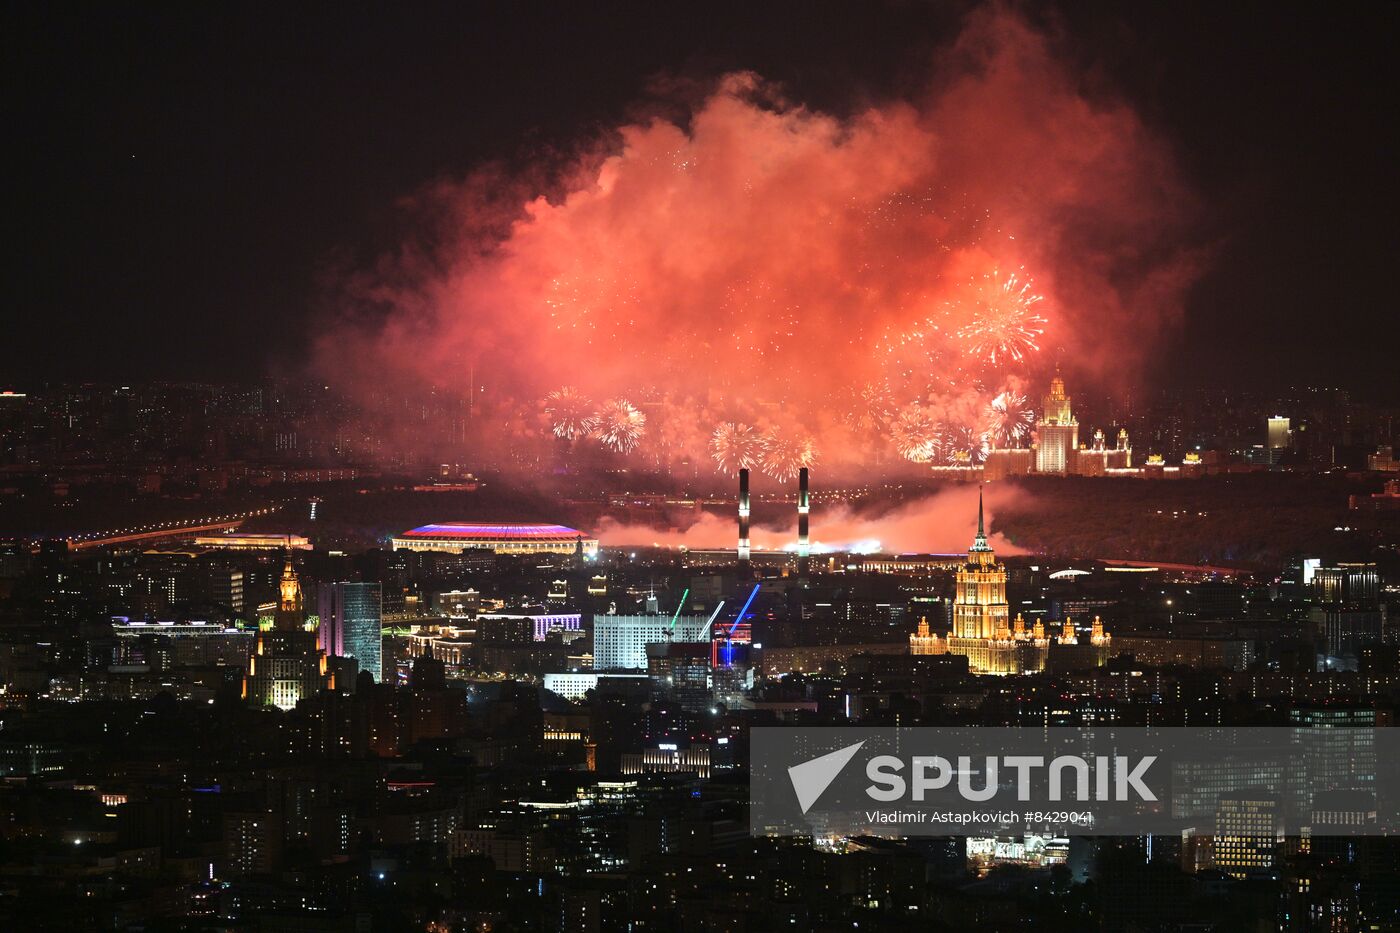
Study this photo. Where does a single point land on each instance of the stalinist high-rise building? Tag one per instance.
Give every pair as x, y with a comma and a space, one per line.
984, 633
982, 628
1056, 451
286, 665
1057, 435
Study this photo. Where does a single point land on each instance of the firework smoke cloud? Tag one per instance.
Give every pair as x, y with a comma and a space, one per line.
760, 281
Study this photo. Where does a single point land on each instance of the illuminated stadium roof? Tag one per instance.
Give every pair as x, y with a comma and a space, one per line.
517, 538
468, 531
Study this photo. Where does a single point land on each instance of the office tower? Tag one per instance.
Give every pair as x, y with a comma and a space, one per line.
351, 624
1280, 436
620, 642
1346, 584
1346, 611
1335, 749
680, 671
1248, 834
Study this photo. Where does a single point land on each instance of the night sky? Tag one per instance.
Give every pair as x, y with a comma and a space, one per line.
184, 181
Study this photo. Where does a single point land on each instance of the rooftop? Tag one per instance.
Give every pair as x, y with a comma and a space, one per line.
471, 531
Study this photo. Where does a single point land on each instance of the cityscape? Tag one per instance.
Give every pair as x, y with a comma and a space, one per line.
892, 371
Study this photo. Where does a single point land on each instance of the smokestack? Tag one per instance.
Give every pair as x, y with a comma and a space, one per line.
743, 517
804, 547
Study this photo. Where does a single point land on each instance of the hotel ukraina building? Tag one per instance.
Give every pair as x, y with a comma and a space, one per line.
983, 631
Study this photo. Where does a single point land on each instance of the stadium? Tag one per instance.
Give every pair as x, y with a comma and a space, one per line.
455, 537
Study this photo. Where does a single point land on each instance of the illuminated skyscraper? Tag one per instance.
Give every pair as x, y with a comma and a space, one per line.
742, 551
804, 508
1346, 611
1280, 433
351, 624
680, 671
1279, 438
1248, 834
1057, 435
982, 618
286, 665
620, 642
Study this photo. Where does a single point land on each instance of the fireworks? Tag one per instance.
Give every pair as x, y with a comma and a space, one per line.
1009, 419
736, 447
871, 405
920, 356
620, 426
1004, 325
785, 454
967, 445
570, 413
743, 256
917, 434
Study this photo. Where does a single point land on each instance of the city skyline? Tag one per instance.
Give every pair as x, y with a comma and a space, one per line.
619, 468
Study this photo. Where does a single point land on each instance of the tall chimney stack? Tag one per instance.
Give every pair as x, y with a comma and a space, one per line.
804, 546
743, 518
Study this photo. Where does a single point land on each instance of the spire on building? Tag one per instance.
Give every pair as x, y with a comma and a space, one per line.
289, 613
290, 586
1068, 635
1002, 631
982, 629
1097, 635
287, 664
980, 542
